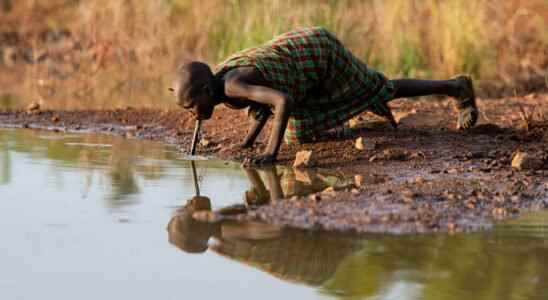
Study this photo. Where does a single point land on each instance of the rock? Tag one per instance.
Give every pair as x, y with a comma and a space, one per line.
205, 142
10, 57
408, 196
316, 197
55, 119
329, 192
354, 122
417, 155
33, 106
525, 161
359, 180
360, 145
304, 159
452, 171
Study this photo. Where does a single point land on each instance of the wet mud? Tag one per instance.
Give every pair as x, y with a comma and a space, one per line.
423, 177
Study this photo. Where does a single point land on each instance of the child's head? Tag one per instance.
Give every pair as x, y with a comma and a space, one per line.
193, 88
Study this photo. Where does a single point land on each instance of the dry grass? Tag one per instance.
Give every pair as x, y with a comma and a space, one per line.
129, 46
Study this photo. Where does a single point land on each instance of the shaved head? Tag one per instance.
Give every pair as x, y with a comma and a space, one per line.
192, 77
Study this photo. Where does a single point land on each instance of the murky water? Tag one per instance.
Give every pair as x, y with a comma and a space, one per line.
98, 217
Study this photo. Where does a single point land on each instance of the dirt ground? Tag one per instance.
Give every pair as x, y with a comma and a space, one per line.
423, 177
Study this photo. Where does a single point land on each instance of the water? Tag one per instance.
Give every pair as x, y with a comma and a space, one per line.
98, 217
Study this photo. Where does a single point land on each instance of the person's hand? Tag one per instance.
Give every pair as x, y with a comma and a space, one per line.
261, 160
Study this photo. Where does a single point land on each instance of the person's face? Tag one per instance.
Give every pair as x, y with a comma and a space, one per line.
196, 99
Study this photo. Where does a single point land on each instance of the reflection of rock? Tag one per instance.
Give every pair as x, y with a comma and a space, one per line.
303, 176
309, 183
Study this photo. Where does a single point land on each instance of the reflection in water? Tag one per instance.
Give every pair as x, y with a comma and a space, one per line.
293, 255
508, 263
125, 163
494, 265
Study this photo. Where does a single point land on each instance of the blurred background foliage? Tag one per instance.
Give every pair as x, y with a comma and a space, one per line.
122, 51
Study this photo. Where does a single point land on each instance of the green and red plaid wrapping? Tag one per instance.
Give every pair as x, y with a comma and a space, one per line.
327, 82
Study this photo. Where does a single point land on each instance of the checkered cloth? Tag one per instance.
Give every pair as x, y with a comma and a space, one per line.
328, 84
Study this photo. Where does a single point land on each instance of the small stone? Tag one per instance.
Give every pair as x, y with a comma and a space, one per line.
359, 180
353, 123
315, 197
361, 145
419, 180
304, 159
417, 155
10, 56
499, 212
355, 191
55, 119
408, 196
330, 192
33, 106
525, 161
205, 142
452, 171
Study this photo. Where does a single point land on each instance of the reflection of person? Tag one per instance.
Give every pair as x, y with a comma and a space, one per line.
259, 194
188, 234
312, 82
294, 255
192, 236
279, 186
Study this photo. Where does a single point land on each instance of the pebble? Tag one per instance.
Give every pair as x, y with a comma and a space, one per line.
329, 192
304, 159
361, 145
452, 171
525, 161
359, 180
33, 106
10, 56
205, 142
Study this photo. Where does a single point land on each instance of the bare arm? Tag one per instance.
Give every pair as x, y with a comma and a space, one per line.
254, 129
282, 104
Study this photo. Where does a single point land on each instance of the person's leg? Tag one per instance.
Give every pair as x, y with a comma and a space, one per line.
415, 87
460, 87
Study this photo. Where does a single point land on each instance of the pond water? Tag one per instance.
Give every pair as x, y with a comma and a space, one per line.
100, 217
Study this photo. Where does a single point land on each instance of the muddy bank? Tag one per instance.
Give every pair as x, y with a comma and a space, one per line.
423, 177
